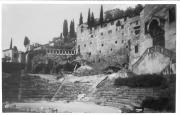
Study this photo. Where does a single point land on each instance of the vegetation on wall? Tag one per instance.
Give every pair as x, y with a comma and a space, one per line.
148, 80
167, 99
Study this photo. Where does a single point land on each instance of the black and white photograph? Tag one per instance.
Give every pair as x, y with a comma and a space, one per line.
88, 58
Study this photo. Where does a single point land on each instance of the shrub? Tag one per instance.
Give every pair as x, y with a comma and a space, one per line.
141, 81
156, 104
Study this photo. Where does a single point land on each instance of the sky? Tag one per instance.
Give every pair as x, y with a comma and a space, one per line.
41, 22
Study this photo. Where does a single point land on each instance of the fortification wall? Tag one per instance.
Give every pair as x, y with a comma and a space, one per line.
103, 44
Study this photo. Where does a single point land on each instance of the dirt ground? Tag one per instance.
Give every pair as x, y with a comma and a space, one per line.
63, 107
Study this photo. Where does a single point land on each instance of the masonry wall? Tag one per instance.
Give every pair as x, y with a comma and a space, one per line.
152, 63
106, 45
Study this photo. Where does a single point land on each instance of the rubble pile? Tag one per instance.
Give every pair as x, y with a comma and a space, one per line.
85, 70
71, 91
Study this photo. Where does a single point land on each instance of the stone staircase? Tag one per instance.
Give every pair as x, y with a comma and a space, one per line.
151, 50
35, 88
124, 96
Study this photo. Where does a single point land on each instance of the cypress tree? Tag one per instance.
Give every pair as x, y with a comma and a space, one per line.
89, 18
101, 15
26, 41
10, 44
92, 19
80, 19
65, 29
73, 29
61, 36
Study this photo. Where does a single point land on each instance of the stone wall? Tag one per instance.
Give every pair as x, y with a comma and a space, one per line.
102, 41
123, 97
152, 63
107, 44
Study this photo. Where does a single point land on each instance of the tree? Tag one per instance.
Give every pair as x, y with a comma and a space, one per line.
72, 30
129, 12
15, 48
108, 16
10, 44
119, 14
89, 18
26, 41
80, 19
101, 16
92, 20
65, 29
61, 37
138, 9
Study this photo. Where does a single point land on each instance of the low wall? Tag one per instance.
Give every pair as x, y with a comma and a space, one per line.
123, 96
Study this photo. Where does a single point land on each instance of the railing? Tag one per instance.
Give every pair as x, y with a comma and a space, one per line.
170, 69
159, 49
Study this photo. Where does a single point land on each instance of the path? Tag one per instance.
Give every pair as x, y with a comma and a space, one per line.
75, 107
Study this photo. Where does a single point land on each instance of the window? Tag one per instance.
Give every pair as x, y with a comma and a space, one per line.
137, 32
89, 54
136, 27
99, 60
136, 49
84, 45
91, 36
58, 51
122, 26
102, 45
136, 22
105, 25
101, 33
90, 42
100, 51
122, 41
111, 49
122, 34
116, 42
112, 23
110, 31
118, 23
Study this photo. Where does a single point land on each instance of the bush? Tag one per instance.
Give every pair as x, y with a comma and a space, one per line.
10, 67
160, 104
141, 81
156, 104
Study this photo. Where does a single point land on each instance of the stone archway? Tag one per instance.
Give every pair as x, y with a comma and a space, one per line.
157, 33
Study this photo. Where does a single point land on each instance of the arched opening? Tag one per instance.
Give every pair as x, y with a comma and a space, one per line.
157, 33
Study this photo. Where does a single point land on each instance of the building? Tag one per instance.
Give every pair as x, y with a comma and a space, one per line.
108, 43
155, 48
10, 55
132, 40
